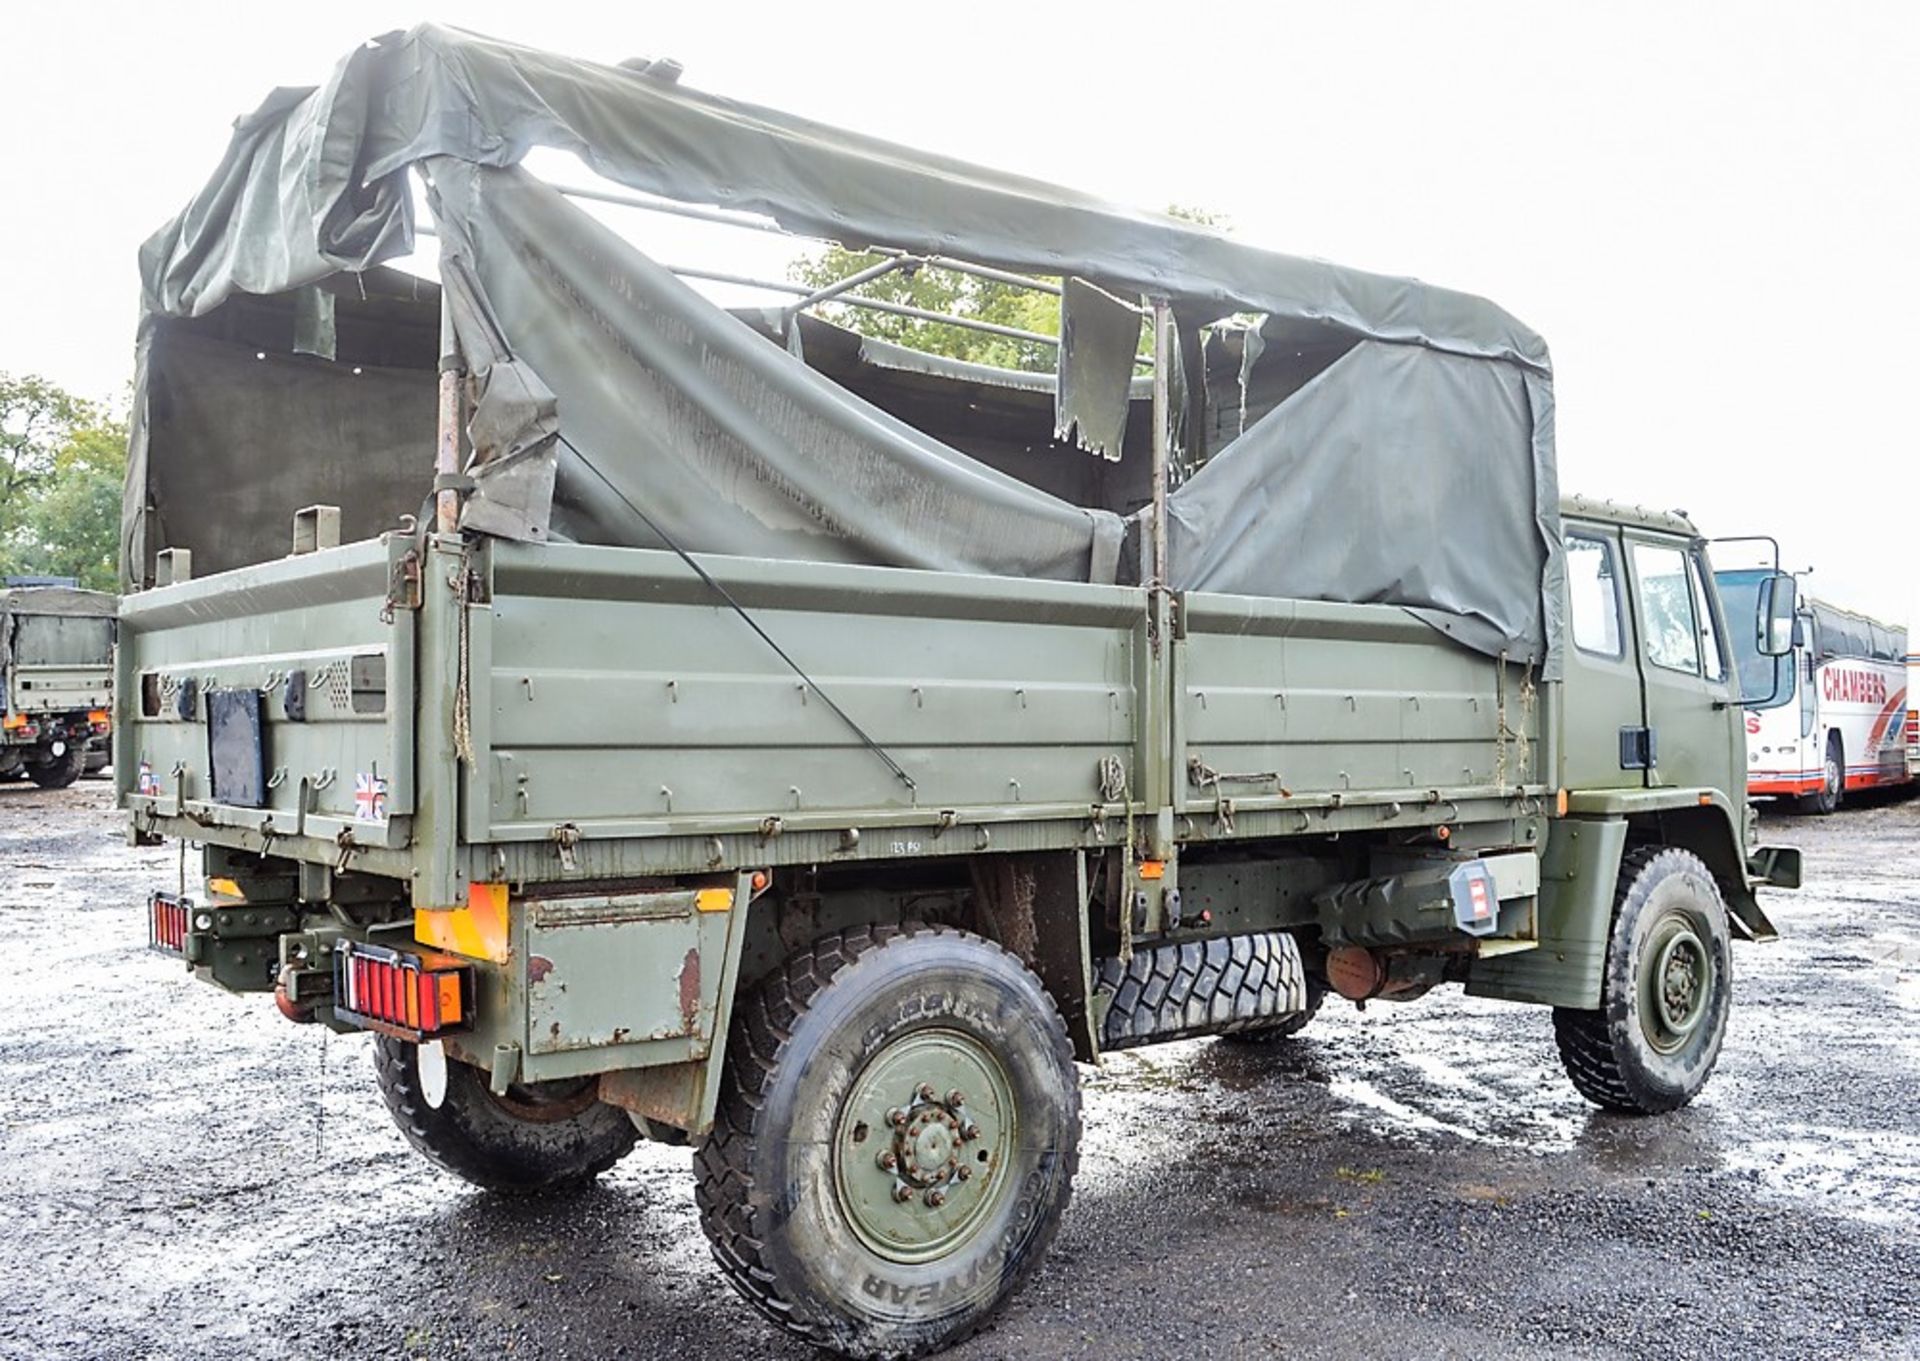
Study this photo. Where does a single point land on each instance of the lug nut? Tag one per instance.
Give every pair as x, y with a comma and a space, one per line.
903, 1193
964, 1172
926, 1091
956, 1097
936, 1197
888, 1161
896, 1117
971, 1132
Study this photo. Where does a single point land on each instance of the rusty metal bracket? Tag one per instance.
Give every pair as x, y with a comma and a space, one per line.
566, 837
403, 586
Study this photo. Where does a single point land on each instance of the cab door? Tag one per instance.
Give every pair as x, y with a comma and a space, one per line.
1604, 709
1693, 724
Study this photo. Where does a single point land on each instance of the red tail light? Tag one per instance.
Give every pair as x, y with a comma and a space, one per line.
167, 922
413, 997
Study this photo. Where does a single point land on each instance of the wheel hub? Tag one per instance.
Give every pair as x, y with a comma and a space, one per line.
930, 1138
918, 1144
1677, 984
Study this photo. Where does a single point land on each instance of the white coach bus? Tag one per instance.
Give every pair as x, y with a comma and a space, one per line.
1830, 718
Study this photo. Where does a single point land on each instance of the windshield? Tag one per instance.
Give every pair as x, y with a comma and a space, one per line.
1740, 600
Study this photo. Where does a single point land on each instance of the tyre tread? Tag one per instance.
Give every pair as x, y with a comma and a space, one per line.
1587, 1050
723, 1180
398, 1079
1223, 985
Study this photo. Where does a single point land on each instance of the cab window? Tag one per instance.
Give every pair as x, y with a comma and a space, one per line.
1672, 639
1713, 660
1593, 595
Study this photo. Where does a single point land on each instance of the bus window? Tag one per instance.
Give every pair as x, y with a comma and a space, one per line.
1764, 681
1672, 640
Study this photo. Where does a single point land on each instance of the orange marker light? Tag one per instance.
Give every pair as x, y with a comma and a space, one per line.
1153, 869
14, 722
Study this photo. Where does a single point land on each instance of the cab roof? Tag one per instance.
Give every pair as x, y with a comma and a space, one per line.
1640, 517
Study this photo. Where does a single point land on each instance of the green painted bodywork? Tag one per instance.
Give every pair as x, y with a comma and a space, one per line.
593, 727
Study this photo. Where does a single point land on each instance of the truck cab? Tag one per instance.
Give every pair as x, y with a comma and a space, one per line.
1647, 637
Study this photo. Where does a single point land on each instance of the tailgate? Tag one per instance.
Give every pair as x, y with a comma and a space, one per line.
61, 689
272, 704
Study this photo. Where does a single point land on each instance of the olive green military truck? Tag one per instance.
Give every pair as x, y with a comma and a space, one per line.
723, 727
56, 681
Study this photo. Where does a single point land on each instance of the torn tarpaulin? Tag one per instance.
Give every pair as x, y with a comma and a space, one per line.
728, 441
739, 447
1099, 341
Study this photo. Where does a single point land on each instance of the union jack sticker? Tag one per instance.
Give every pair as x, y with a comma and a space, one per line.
369, 797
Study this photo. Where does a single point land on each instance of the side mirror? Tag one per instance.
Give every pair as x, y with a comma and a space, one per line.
1775, 623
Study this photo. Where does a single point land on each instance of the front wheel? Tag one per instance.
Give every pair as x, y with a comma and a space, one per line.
1833, 779
544, 1136
1665, 994
60, 771
897, 1136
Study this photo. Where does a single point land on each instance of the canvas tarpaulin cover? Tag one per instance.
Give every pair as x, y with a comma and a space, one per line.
55, 626
614, 390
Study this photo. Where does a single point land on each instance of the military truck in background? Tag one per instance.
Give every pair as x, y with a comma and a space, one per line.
753, 735
56, 682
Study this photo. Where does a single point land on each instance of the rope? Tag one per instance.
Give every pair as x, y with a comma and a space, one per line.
461, 583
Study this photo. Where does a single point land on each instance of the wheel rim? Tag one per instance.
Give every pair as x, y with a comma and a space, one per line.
920, 1143
1833, 773
1676, 985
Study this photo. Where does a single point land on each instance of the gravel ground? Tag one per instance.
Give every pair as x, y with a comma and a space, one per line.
184, 1174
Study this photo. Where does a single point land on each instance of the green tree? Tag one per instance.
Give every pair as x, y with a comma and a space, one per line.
63, 460
933, 289
36, 420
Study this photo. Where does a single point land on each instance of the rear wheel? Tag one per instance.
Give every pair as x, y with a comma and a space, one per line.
1833, 779
897, 1136
543, 1136
61, 771
1665, 994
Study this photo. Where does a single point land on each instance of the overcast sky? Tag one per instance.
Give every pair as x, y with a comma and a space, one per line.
1711, 212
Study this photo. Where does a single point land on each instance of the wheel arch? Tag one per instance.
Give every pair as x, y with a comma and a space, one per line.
1709, 831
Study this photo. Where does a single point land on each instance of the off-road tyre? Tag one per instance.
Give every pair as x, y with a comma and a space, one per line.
1263, 1036
1833, 780
1201, 987
807, 1047
61, 771
540, 1137
1626, 1056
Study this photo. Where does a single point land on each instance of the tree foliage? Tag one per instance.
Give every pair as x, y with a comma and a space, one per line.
932, 289
63, 460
